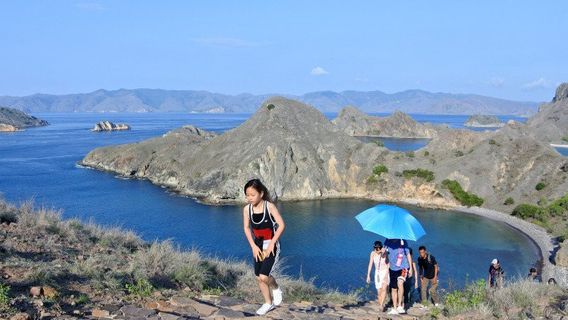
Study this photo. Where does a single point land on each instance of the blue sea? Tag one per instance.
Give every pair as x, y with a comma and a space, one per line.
322, 241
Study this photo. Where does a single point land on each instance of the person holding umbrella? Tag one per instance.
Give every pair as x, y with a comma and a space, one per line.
399, 270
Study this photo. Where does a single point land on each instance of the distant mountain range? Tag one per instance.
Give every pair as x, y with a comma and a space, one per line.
158, 100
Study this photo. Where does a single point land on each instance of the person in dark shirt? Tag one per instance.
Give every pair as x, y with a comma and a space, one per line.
428, 270
496, 274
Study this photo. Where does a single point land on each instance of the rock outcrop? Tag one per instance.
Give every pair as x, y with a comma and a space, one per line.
290, 145
109, 126
7, 128
550, 124
14, 120
399, 125
301, 155
483, 121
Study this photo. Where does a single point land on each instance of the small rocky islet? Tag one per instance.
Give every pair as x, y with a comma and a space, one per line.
483, 121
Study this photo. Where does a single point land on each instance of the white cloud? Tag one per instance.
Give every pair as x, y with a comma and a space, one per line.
497, 82
226, 42
90, 6
318, 71
540, 83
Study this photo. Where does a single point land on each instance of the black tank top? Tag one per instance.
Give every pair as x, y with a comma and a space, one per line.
263, 224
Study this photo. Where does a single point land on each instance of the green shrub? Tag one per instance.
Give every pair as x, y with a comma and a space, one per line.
420, 173
525, 211
192, 275
381, 168
380, 143
470, 298
4, 297
465, 198
141, 288
559, 206
426, 153
509, 201
491, 141
270, 106
372, 180
565, 138
410, 154
459, 153
83, 299
539, 186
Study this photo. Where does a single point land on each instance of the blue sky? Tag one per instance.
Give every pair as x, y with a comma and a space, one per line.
510, 49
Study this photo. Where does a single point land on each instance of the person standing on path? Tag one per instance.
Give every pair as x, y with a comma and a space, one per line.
400, 259
428, 270
263, 226
496, 275
380, 260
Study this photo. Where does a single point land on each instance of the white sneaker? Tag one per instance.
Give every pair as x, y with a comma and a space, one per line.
264, 309
277, 296
400, 310
392, 311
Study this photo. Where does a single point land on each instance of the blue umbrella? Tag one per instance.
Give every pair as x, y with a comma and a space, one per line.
391, 222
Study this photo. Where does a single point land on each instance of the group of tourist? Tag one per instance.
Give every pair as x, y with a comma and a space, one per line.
396, 270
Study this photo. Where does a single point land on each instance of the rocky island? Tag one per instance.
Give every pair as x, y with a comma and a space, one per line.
109, 126
483, 121
14, 120
399, 125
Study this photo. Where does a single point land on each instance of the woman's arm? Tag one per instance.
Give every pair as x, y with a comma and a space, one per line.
369, 268
248, 234
281, 226
410, 262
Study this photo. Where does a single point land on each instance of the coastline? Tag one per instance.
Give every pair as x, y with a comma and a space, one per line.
538, 235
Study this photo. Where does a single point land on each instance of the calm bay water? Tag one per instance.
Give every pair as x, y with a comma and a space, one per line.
322, 240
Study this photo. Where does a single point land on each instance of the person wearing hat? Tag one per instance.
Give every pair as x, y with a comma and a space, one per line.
380, 260
496, 274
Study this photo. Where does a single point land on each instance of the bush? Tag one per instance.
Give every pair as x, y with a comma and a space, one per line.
459, 153
141, 288
410, 154
270, 106
372, 180
491, 141
509, 201
381, 168
426, 153
539, 186
565, 139
470, 298
420, 173
4, 297
525, 211
465, 198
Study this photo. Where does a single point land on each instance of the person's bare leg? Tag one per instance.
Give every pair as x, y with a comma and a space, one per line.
394, 297
272, 283
382, 296
400, 293
263, 284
